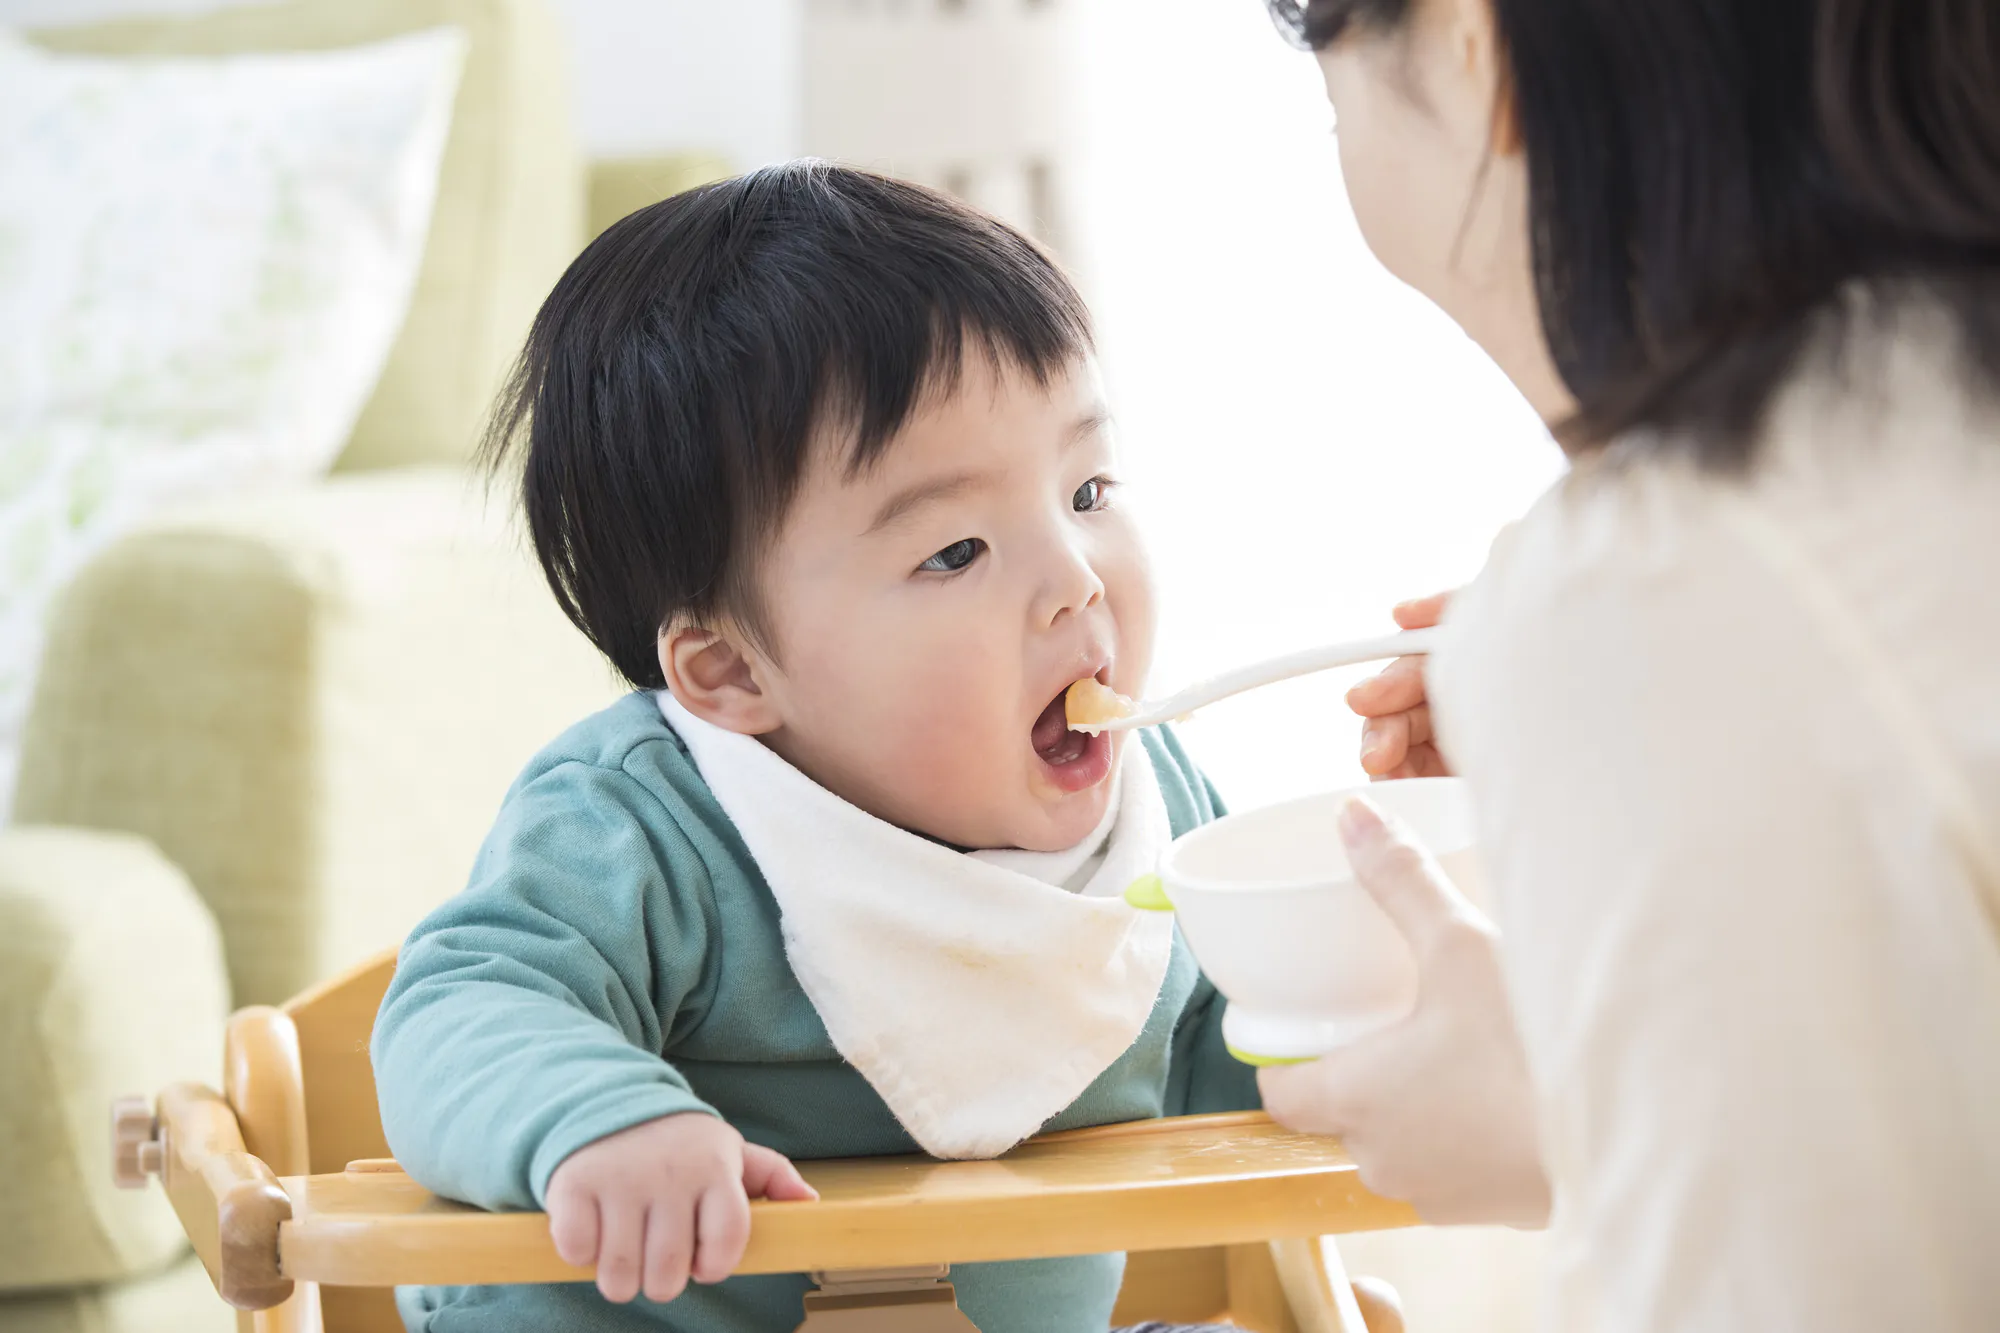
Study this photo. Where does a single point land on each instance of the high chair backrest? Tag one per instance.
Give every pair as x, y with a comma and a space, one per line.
300, 1078
303, 1088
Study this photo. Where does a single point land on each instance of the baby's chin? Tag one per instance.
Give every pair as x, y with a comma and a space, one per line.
1031, 821
1064, 818
1038, 807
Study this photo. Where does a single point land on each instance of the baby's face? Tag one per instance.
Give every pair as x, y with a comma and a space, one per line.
929, 613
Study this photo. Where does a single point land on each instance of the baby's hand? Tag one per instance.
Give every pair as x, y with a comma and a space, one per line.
660, 1202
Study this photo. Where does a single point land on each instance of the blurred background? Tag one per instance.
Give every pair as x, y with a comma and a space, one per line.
268, 658
1312, 441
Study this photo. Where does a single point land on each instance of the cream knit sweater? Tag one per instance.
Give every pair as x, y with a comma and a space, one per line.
1737, 749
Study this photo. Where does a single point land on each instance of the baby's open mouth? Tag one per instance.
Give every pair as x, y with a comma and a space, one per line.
1072, 760
1052, 738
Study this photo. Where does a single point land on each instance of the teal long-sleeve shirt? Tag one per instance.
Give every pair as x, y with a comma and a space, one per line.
616, 957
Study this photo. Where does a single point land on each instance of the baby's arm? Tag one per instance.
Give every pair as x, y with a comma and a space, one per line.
516, 1052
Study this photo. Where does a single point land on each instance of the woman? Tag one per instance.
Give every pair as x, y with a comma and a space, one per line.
1729, 696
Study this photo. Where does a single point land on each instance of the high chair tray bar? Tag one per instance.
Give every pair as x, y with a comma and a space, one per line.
1163, 1184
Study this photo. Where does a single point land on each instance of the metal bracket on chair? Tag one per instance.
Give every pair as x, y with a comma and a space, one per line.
885, 1300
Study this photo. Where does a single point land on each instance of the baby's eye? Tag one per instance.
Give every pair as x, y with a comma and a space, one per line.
1090, 496
954, 557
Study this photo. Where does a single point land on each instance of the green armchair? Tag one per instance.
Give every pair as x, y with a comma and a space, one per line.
267, 738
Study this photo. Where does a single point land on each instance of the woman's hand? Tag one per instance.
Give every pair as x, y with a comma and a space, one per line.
1436, 1110
1397, 741
663, 1201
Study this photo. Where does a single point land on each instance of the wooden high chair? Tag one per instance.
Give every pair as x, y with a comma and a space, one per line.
286, 1190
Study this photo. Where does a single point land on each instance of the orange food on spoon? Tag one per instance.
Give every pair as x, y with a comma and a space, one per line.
1091, 703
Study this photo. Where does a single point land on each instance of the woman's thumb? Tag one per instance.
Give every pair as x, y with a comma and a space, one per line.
1400, 876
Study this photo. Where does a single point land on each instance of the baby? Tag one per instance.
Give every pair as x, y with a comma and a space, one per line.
820, 461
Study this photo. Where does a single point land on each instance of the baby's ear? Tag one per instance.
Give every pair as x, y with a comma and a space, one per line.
714, 674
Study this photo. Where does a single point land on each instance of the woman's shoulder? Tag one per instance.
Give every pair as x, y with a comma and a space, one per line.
1877, 471
1616, 542
1646, 581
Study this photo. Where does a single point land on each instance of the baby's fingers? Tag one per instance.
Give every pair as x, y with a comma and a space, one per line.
573, 1227
722, 1229
669, 1248
771, 1175
623, 1225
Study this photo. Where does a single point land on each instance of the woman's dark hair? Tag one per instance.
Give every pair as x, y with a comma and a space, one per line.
1706, 178
676, 379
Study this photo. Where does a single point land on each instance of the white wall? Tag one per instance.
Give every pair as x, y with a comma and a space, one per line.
718, 75
977, 97
1312, 440
651, 75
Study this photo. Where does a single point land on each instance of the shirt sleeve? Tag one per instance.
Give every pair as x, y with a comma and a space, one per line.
527, 1015
1743, 1009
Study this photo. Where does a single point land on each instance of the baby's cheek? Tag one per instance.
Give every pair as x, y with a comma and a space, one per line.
1129, 591
960, 708
955, 731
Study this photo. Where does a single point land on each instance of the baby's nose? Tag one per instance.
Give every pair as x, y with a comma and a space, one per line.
1073, 587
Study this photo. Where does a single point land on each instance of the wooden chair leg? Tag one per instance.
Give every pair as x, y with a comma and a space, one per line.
1381, 1308
1319, 1295
300, 1314
1257, 1299
1173, 1287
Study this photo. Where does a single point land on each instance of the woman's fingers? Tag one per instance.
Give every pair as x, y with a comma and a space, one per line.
669, 1248
1399, 686
1421, 612
722, 1229
1385, 742
1420, 761
620, 1247
1399, 875
1396, 688
771, 1175
1392, 743
1311, 1098
1397, 741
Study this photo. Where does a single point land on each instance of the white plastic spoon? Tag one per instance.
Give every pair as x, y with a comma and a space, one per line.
1093, 707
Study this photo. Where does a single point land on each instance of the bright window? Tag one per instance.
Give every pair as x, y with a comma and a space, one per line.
1312, 441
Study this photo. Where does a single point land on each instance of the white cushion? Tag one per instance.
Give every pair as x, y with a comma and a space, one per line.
203, 263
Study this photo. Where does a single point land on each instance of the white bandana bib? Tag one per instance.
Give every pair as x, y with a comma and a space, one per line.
978, 993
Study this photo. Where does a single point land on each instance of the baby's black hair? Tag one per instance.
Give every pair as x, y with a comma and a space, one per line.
675, 379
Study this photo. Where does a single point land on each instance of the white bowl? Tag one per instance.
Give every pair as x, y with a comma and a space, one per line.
1273, 912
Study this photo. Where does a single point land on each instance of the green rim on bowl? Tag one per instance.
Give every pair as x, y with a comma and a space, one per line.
1269, 1061
1148, 893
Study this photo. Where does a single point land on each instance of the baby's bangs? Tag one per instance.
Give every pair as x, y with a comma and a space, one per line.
871, 400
